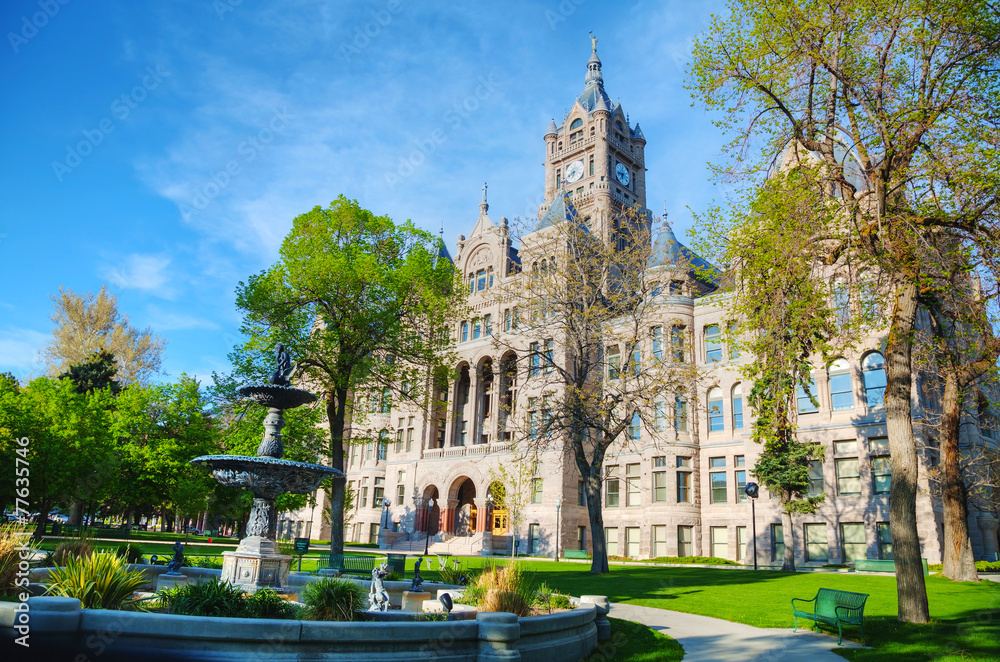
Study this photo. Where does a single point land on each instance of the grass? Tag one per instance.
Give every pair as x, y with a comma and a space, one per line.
965, 617
634, 642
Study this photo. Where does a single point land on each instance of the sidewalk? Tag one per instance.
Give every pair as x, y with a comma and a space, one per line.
714, 640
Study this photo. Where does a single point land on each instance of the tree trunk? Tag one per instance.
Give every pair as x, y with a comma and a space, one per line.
599, 566
43, 520
76, 512
788, 533
910, 588
959, 563
336, 408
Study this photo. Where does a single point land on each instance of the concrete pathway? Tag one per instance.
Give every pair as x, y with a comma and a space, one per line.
714, 640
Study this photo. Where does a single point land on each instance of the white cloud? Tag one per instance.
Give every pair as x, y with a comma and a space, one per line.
141, 272
19, 349
163, 320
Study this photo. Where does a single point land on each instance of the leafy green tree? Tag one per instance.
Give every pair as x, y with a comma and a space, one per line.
896, 101
88, 323
97, 372
67, 439
359, 302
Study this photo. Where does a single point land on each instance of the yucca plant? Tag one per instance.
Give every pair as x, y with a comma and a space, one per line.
331, 599
99, 581
130, 552
73, 549
211, 598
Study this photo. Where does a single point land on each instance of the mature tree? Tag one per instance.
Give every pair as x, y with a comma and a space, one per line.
908, 90
96, 373
591, 370
87, 324
357, 300
66, 437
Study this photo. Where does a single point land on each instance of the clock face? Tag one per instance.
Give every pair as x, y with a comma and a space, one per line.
622, 173
574, 171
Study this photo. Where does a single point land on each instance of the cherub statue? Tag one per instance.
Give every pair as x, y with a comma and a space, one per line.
176, 563
418, 581
378, 597
283, 374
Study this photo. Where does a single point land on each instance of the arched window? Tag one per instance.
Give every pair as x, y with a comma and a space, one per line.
841, 386
680, 414
738, 407
465, 331
873, 374
716, 422
576, 123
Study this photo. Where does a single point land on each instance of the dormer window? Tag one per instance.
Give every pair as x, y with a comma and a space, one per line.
481, 280
576, 124
618, 125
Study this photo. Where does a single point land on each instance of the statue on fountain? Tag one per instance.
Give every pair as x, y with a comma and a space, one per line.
282, 376
176, 563
418, 581
378, 597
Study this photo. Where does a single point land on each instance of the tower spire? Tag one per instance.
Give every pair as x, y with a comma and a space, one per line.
594, 76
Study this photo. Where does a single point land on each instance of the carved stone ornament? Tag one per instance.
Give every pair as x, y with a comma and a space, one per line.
481, 258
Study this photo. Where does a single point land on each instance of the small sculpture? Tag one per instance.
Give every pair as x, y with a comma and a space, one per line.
378, 597
282, 376
174, 567
418, 581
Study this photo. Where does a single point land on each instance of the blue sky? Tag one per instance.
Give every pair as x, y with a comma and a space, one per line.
163, 149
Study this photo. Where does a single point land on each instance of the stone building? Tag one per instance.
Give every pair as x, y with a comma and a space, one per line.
677, 491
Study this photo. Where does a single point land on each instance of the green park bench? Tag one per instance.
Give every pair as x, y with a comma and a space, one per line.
575, 554
345, 563
880, 565
834, 608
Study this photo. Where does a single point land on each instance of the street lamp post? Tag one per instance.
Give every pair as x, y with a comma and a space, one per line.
559, 501
488, 530
753, 491
386, 502
427, 538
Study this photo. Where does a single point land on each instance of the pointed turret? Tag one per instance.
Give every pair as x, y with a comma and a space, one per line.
552, 131
637, 134
593, 91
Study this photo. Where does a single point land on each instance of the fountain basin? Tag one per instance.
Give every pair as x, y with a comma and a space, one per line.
266, 477
277, 397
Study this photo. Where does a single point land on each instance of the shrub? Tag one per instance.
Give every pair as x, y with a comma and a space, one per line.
266, 603
331, 599
211, 562
506, 588
99, 581
131, 553
12, 535
547, 599
218, 598
73, 549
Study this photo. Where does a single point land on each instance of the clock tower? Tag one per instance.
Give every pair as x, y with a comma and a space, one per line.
595, 157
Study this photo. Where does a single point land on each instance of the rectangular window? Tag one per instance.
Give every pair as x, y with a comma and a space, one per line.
852, 540
815, 478
720, 541
716, 422
536, 490
477, 329
659, 480
379, 495
880, 445
409, 435
611, 492
465, 331
741, 486
848, 476
717, 462
400, 494
805, 400
713, 344
680, 415
677, 343
632, 488
632, 542
841, 391
884, 540
683, 487
685, 541
741, 543
364, 497
611, 541
718, 481
659, 541
777, 543
373, 532
506, 320
737, 410
481, 280
534, 538
614, 362
548, 356
845, 447
581, 493
581, 538
881, 474
660, 416
398, 446
488, 325
657, 335
635, 427
536, 359
817, 547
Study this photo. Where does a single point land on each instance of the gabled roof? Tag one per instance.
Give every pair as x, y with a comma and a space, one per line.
562, 209
443, 253
668, 251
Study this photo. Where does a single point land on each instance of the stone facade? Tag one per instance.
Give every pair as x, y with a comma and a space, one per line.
676, 491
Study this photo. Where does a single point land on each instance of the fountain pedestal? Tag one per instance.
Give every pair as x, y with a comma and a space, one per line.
257, 563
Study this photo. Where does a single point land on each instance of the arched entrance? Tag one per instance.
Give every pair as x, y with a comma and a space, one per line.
465, 510
430, 524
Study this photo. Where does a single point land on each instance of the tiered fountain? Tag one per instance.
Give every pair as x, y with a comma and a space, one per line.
258, 563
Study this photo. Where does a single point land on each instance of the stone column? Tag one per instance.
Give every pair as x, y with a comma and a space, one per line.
480, 515
988, 525
472, 406
601, 621
498, 635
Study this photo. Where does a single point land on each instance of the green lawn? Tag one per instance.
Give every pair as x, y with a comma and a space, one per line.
966, 617
634, 642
